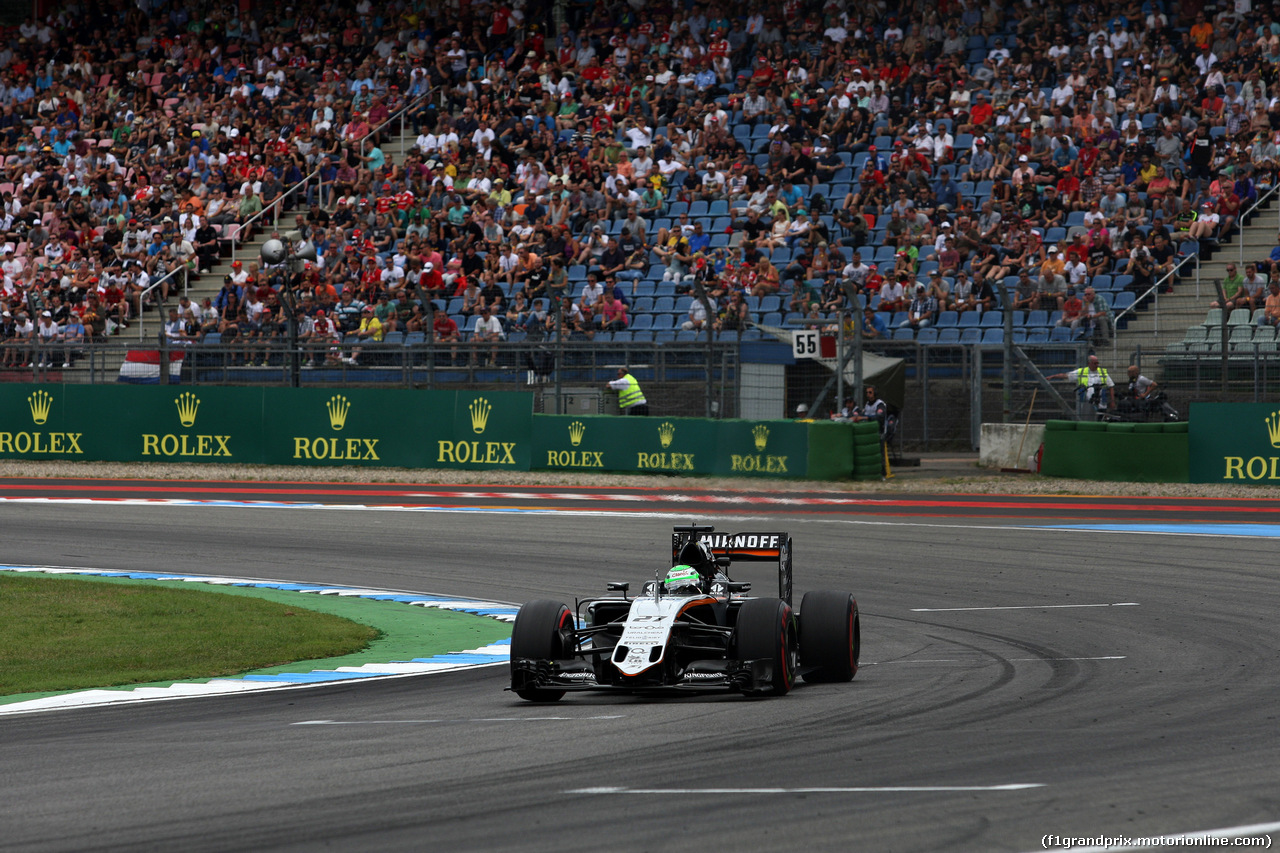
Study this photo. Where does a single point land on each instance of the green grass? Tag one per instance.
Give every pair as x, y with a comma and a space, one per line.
71, 633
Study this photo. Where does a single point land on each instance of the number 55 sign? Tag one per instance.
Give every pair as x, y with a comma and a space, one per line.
804, 344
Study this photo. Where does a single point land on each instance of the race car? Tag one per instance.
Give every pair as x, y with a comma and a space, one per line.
691, 628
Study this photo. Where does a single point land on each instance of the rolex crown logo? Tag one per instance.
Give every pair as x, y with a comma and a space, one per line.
761, 435
1273, 428
666, 432
188, 404
480, 409
40, 402
576, 430
338, 407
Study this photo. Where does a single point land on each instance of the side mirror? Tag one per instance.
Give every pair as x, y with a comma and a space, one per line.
618, 587
723, 561
736, 586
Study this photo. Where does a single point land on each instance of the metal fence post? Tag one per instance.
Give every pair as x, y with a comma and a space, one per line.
975, 399
924, 395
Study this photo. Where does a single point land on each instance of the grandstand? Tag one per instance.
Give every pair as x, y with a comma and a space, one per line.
1130, 152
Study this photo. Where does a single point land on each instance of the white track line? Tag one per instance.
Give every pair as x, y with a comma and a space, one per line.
1182, 839
1020, 607
890, 789
459, 720
988, 661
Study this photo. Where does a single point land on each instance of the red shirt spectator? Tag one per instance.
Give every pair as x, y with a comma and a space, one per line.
981, 113
444, 327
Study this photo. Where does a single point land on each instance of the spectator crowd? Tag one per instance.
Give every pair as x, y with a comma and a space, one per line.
590, 163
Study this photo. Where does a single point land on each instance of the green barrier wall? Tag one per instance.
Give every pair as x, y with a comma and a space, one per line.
1086, 450
1235, 443
672, 446
409, 429
277, 426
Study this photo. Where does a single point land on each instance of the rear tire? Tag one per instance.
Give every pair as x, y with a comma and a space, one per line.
542, 631
766, 630
830, 636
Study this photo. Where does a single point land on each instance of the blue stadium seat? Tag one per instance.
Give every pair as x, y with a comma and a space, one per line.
992, 319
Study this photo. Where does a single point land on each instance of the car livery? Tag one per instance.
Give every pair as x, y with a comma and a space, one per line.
693, 629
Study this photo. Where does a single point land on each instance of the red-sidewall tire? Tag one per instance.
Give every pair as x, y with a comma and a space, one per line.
830, 636
542, 631
766, 630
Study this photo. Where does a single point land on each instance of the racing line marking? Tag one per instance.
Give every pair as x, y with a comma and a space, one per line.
1021, 607
1003, 660
460, 720
888, 789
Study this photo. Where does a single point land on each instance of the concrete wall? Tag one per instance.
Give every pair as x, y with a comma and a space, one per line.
999, 445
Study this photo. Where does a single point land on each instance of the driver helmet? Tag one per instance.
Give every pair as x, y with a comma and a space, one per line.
682, 577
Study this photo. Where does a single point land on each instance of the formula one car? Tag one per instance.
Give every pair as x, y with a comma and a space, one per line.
691, 628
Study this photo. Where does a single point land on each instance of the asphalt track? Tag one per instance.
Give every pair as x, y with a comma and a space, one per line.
1017, 683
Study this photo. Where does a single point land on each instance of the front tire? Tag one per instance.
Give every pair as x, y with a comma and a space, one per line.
830, 636
766, 630
543, 631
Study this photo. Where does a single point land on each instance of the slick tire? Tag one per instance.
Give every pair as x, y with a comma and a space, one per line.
542, 631
766, 630
830, 636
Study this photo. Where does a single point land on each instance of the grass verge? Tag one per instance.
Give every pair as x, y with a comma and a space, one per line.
59, 633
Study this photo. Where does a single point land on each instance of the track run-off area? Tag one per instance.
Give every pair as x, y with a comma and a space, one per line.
1034, 668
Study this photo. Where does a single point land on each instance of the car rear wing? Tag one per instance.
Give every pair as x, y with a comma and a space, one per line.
741, 547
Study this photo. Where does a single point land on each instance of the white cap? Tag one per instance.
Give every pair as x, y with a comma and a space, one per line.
428, 266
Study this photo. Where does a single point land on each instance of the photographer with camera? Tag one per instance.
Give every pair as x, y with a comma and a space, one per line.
1141, 266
